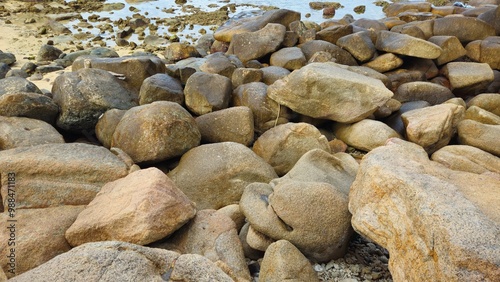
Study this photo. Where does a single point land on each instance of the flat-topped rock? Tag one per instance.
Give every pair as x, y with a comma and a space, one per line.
407, 45
22, 132
466, 29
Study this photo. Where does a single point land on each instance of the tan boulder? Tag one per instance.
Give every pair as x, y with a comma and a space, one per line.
215, 175
364, 135
385, 62
156, 132
359, 44
246, 75
34, 236
486, 101
442, 223
207, 92
468, 78
423, 91
407, 45
26, 132
482, 116
58, 174
467, 158
328, 91
122, 212
28, 104
482, 136
177, 51
290, 58
433, 127
235, 124
120, 261
284, 262
316, 222
283, 145
213, 235
452, 48
106, 126
466, 29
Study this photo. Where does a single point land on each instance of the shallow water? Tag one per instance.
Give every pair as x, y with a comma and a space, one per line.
157, 9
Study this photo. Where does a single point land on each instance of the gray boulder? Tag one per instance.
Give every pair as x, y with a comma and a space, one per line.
206, 92
161, 87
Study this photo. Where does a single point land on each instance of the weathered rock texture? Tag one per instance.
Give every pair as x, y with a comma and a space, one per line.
435, 222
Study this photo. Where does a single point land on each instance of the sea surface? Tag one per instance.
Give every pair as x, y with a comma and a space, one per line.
158, 9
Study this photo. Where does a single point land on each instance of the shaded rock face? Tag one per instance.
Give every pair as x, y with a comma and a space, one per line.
283, 145
213, 235
22, 132
156, 132
39, 236
58, 174
442, 222
161, 87
215, 175
286, 212
15, 84
328, 91
30, 105
283, 261
134, 69
86, 94
148, 265
207, 92
253, 45
106, 126
124, 213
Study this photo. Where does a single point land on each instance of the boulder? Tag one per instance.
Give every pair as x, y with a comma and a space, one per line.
246, 75
266, 112
253, 45
339, 55
15, 84
218, 63
86, 94
333, 33
226, 32
482, 116
7, 58
178, 51
407, 45
468, 78
156, 132
161, 87
395, 9
359, 44
214, 175
318, 165
58, 174
38, 237
26, 132
134, 69
272, 73
328, 91
234, 124
206, 92
120, 261
124, 213
395, 122
433, 127
467, 158
423, 91
283, 261
283, 145
385, 62
487, 101
364, 135
213, 235
290, 58
317, 222
485, 51
451, 46
466, 29
106, 126
48, 53
491, 17
483, 136
30, 105
442, 222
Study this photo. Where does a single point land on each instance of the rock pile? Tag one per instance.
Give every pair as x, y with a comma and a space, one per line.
206, 167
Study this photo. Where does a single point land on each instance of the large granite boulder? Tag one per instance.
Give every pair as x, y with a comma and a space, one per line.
253, 45
161, 87
364, 135
156, 132
29, 104
329, 91
22, 132
86, 94
466, 29
124, 213
38, 237
58, 174
15, 84
120, 261
215, 175
207, 92
482, 136
467, 158
434, 221
407, 45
